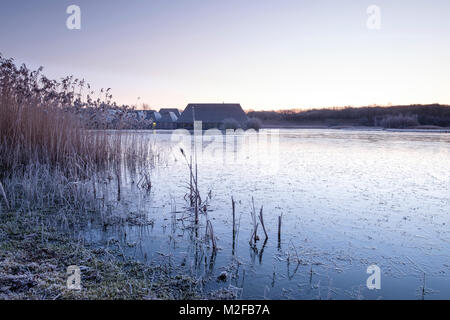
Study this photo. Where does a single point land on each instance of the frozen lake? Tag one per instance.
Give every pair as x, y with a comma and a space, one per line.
348, 200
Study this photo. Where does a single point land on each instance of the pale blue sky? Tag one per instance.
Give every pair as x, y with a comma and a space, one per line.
262, 54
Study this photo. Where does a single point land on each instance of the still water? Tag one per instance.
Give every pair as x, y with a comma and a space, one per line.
348, 200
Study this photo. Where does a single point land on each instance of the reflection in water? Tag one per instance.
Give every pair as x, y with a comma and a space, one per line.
348, 199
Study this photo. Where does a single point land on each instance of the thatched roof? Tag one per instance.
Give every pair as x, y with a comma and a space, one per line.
213, 113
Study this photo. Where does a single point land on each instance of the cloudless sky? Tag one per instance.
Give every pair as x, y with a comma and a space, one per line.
264, 54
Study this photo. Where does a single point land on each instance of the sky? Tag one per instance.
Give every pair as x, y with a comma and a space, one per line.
263, 54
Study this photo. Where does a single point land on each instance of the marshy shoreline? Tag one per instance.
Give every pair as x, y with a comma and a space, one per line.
58, 178
34, 259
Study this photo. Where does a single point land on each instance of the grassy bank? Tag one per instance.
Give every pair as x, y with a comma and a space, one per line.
34, 260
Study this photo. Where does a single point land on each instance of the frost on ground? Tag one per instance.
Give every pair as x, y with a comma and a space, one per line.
34, 261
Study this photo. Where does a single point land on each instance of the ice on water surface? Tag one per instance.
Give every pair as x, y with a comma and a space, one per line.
348, 199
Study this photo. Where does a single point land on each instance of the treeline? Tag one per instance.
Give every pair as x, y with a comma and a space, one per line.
434, 114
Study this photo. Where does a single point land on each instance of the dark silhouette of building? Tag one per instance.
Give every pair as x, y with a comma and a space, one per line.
213, 115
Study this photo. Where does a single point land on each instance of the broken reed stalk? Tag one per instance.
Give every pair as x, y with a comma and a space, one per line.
254, 236
262, 222
196, 195
93, 186
190, 183
423, 287
279, 230
118, 185
261, 252
193, 185
233, 204
145, 181
196, 171
210, 234
2, 191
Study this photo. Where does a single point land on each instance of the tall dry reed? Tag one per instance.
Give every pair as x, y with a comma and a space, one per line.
38, 125
47, 158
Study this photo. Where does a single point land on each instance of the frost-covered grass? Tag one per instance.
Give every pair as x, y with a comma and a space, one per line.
34, 258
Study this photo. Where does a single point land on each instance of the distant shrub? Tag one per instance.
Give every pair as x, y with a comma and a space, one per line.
442, 121
230, 123
399, 121
365, 122
433, 114
254, 123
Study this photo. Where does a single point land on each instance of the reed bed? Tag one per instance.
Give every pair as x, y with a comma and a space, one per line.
57, 174
48, 159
